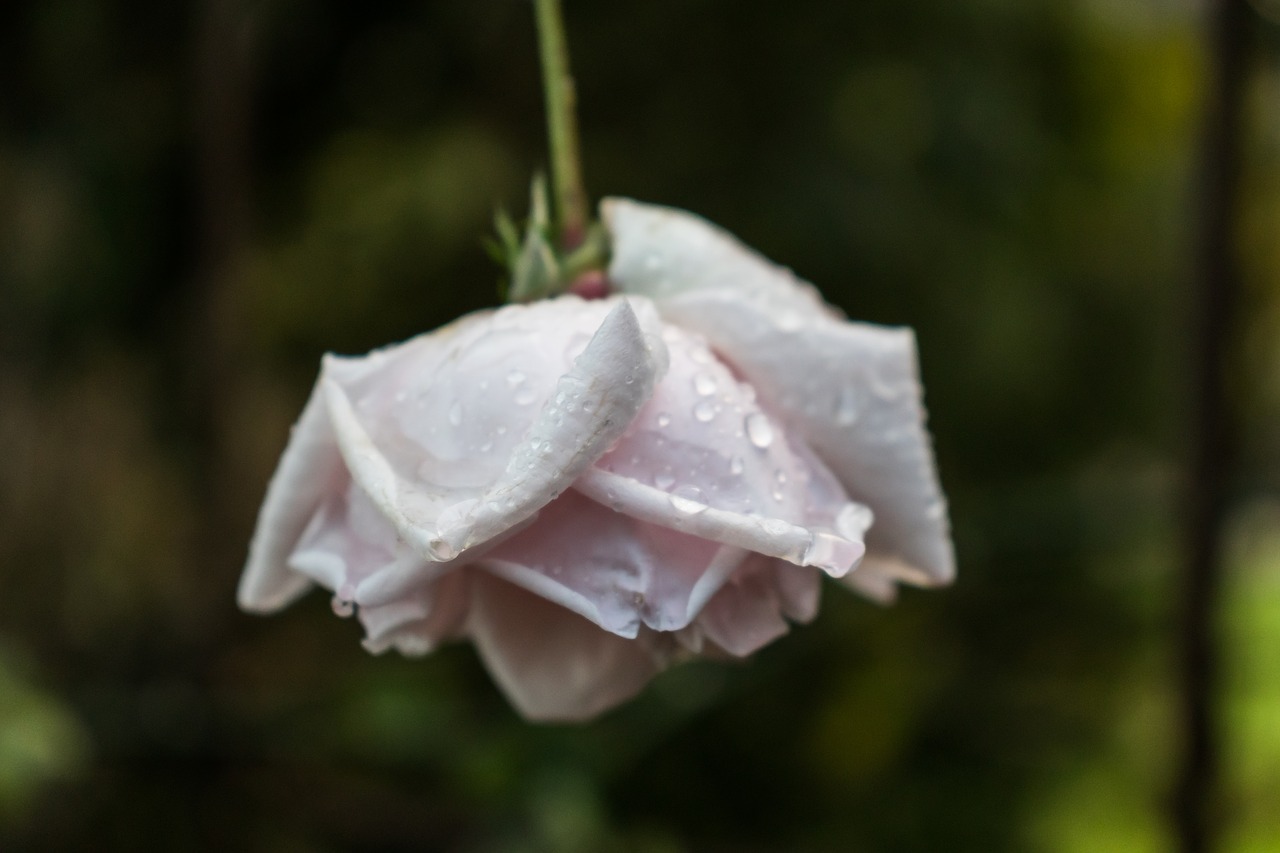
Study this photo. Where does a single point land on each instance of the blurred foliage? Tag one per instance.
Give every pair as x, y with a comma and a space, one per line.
1013, 178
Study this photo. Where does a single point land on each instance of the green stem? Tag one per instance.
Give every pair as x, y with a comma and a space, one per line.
562, 125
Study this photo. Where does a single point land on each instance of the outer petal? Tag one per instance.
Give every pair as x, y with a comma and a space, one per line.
552, 664
850, 388
612, 569
309, 468
590, 409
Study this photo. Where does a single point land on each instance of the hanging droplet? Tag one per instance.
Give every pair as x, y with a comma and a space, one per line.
832, 554
853, 520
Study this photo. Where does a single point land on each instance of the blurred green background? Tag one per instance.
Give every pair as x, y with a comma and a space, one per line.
198, 199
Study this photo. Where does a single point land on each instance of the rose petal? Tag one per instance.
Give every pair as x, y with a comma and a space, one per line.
850, 388
592, 405
618, 572
418, 623
553, 665
773, 537
307, 471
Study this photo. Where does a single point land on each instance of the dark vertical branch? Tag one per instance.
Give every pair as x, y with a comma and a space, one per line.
1216, 293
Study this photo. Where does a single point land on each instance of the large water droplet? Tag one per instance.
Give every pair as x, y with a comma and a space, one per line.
853, 520
705, 384
759, 431
833, 554
688, 500
442, 550
455, 413
704, 411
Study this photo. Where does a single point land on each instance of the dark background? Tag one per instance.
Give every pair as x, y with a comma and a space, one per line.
198, 199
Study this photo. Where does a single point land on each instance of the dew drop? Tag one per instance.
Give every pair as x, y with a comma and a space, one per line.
486, 447
853, 520
759, 432
343, 602
401, 396
688, 500
736, 465
502, 429
663, 480
705, 384
936, 511
455, 413
525, 396
781, 477
847, 407
831, 553
663, 419
515, 377
704, 411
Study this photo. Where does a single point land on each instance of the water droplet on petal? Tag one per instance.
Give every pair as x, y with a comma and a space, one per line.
847, 411
515, 377
663, 419
759, 431
853, 520
781, 477
736, 465
455, 413
525, 396
832, 554
343, 602
486, 447
663, 480
704, 411
705, 384
401, 396
688, 500
936, 511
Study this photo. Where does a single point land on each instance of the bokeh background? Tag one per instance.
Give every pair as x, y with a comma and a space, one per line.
198, 199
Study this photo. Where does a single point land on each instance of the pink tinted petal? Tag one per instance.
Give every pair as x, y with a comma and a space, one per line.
612, 569
851, 389
590, 408
773, 537
417, 624
308, 471
661, 252
745, 615
552, 664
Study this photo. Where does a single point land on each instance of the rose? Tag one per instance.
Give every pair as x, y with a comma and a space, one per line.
589, 489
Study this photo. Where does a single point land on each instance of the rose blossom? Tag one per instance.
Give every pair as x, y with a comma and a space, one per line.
590, 489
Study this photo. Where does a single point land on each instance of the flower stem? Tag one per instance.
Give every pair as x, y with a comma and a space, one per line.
562, 126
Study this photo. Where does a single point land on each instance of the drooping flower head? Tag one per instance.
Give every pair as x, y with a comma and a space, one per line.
589, 489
